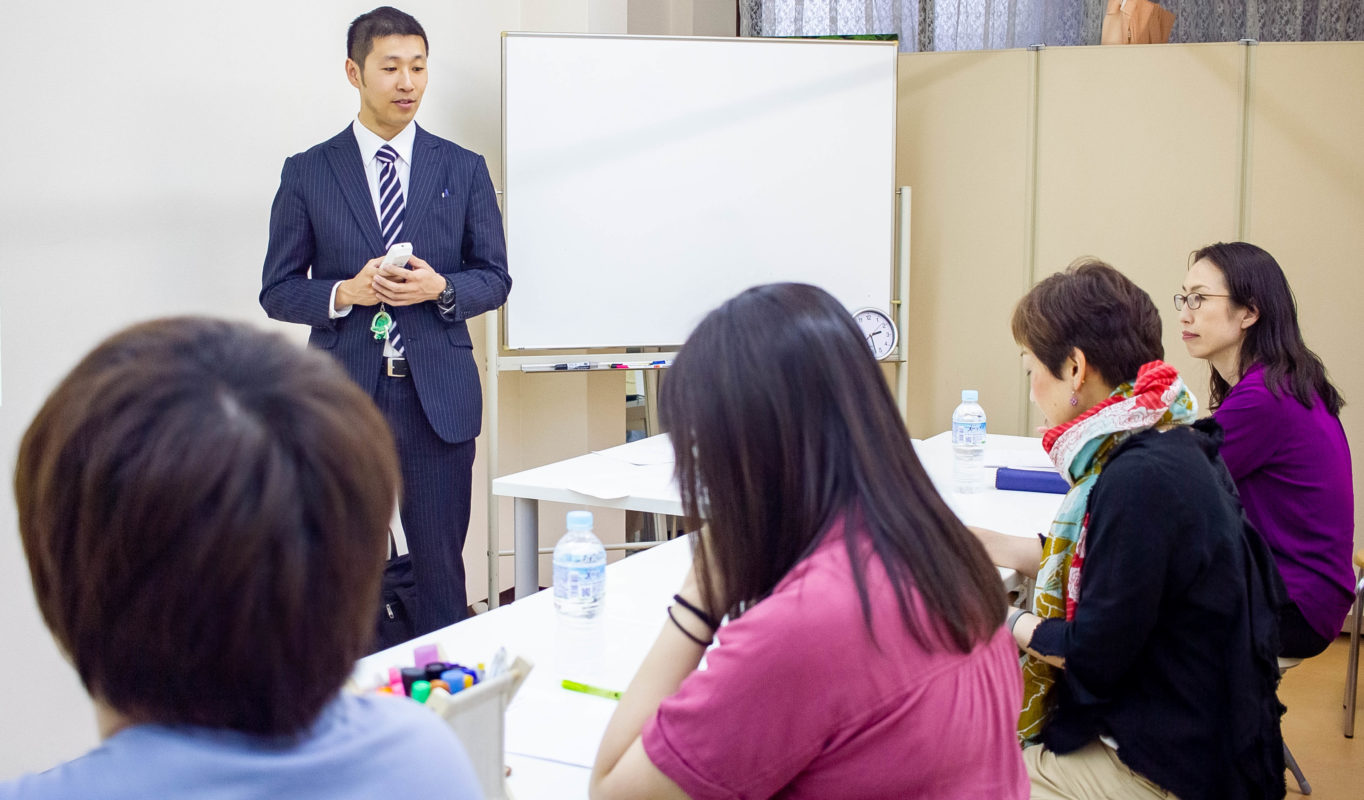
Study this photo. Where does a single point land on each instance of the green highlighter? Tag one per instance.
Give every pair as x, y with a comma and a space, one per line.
574, 686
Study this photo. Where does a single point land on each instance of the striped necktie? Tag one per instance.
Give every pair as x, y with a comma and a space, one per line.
390, 218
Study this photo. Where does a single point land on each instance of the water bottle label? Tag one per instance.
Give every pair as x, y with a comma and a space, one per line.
579, 581
971, 434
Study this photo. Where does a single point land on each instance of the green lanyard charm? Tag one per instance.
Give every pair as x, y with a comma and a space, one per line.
380, 324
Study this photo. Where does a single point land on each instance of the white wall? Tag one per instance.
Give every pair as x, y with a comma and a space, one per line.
137, 176
684, 17
138, 159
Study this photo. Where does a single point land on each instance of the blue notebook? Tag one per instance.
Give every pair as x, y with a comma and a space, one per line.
1030, 480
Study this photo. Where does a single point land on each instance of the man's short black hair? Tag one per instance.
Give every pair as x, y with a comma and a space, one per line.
203, 507
382, 21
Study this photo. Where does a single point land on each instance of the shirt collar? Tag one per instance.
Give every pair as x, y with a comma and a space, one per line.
370, 142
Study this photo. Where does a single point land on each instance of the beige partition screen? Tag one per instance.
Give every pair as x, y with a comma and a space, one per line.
1306, 204
1139, 162
964, 136
1022, 160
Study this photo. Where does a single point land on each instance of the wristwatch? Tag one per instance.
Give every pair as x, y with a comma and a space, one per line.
447, 295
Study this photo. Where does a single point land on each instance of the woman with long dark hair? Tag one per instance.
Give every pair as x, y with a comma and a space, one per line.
1284, 442
864, 655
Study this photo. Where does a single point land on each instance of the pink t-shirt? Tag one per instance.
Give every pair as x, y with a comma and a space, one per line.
798, 702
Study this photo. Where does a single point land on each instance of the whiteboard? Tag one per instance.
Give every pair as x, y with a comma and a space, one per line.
649, 179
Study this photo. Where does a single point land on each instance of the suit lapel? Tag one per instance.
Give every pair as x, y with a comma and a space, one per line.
343, 154
424, 174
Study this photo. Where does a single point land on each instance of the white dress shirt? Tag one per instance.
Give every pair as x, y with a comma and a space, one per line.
369, 143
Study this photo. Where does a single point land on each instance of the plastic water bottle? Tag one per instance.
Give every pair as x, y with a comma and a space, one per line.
579, 569
968, 444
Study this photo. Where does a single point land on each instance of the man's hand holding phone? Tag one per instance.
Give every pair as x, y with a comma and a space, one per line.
404, 279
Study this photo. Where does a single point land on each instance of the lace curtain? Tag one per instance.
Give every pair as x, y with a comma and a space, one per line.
991, 24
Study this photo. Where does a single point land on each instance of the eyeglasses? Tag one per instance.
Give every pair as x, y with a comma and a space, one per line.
1194, 299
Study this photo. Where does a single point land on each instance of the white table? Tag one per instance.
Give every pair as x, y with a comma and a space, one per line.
552, 734
636, 477
639, 477
1015, 513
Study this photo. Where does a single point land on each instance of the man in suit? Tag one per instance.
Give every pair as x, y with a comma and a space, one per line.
400, 333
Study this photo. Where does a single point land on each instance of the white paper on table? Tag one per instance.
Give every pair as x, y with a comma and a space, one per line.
602, 487
643, 453
1019, 459
539, 721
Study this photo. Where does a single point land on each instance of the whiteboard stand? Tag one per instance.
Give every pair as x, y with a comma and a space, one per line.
653, 428
900, 300
492, 335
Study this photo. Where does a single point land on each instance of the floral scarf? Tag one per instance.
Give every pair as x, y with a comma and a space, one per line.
1080, 449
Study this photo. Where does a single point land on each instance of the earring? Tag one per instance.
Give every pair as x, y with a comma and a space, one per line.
1074, 401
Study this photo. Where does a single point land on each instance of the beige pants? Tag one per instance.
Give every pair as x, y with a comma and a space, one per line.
1091, 773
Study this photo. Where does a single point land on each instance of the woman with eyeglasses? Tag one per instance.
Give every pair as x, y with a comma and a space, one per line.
1284, 442
865, 655
1149, 643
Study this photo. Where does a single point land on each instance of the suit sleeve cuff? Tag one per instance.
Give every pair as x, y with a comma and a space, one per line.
331, 304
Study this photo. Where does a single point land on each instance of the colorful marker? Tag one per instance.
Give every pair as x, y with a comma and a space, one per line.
425, 654
574, 686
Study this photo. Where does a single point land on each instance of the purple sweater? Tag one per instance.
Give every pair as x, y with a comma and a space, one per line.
1292, 468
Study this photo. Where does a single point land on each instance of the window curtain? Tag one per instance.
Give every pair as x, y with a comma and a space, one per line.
992, 24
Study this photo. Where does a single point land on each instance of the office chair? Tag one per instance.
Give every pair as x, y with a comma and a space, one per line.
1285, 664
1352, 670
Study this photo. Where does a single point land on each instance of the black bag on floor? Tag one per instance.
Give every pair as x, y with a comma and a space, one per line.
397, 600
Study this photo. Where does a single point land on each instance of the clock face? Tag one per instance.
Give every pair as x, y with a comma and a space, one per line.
878, 330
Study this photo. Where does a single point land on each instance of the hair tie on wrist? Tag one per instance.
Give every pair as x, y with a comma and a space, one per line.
1014, 617
686, 632
710, 621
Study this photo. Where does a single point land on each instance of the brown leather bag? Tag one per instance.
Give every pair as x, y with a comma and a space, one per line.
1136, 22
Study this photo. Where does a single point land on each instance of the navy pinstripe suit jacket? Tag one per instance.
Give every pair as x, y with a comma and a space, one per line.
323, 220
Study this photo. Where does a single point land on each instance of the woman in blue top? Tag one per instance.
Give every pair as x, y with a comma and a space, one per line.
203, 508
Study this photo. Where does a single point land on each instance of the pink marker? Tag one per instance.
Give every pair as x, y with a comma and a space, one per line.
425, 654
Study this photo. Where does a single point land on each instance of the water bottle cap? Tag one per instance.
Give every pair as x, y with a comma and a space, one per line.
969, 395
580, 520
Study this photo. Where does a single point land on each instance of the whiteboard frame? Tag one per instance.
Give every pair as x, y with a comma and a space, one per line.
539, 341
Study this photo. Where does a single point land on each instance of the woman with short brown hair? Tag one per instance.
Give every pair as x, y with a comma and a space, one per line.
1150, 639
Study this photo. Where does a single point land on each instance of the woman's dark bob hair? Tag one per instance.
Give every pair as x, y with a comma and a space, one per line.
782, 425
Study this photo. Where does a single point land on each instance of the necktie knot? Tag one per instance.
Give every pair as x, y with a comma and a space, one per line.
387, 154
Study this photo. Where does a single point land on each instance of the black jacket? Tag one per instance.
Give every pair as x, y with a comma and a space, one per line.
1172, 649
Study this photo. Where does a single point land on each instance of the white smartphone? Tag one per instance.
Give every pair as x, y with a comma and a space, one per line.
398, 255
